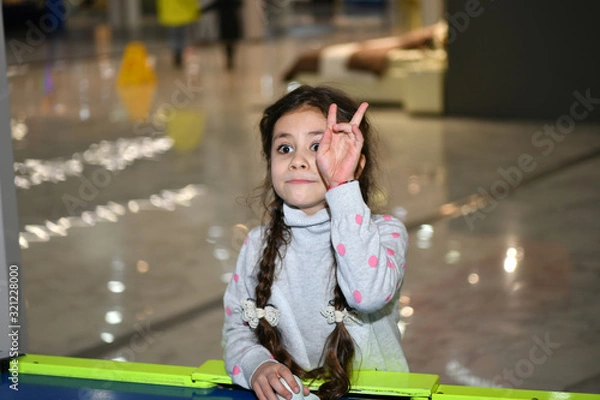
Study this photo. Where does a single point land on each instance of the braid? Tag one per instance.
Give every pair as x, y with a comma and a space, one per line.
338, 354
275, 239
277, 236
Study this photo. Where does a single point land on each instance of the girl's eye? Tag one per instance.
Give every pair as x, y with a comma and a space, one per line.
284, 149
314, 146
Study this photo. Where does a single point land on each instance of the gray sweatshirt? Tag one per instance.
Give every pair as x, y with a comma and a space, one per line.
370, 251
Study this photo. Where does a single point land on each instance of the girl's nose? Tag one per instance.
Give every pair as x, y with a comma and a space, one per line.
299, 162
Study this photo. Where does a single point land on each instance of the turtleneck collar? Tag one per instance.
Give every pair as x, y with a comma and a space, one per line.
294, 217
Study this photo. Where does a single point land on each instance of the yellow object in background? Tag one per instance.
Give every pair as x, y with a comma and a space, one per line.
135, 68
136, 82
186, 128
177, 12
137, 99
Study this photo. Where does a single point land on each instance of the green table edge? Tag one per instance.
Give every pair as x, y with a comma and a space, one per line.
457, 392
208, 375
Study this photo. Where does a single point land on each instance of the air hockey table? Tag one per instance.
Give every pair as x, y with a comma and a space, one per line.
43, 377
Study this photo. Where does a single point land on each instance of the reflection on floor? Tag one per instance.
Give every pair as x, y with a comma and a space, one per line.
130, 228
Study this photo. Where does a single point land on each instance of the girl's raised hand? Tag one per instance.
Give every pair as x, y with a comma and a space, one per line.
339, 150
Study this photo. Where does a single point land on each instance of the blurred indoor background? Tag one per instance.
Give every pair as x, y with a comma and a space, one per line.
131, 172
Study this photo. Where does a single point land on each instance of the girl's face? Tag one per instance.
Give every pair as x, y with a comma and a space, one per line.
294, 173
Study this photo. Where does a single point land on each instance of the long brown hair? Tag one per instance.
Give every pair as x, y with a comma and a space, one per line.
338, 352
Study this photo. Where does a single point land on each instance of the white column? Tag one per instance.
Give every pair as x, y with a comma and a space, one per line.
10, 252
133, 13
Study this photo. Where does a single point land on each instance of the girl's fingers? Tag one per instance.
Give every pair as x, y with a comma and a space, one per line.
332, 115
345, 126
342, 127
266, 389
325, 141
289, 378
259, 393
279, 388
359, 114
358, 134
353, 131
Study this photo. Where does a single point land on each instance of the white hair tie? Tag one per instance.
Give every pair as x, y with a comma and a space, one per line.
334, 316
251, 314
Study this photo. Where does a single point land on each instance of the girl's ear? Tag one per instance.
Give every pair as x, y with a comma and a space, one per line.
361, 166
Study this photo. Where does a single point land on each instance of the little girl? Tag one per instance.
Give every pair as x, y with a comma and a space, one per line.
316, 288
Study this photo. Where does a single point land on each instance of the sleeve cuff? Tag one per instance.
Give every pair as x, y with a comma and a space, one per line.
344, 199
253, 371
251, 363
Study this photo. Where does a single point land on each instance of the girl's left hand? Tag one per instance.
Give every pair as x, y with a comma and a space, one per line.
339, 150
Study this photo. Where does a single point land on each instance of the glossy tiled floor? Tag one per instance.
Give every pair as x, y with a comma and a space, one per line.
130, 228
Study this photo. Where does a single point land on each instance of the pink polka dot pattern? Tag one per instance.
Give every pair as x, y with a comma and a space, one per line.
271, 356
373, 260
387, 217
341, 249
236, 370
246, 240
391, 252
358, 219
357, 296
228, 310
395, 235
391, 264
389, 296
236, 277
404, 266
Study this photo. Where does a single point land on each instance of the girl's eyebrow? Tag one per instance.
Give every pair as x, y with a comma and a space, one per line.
286, 135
